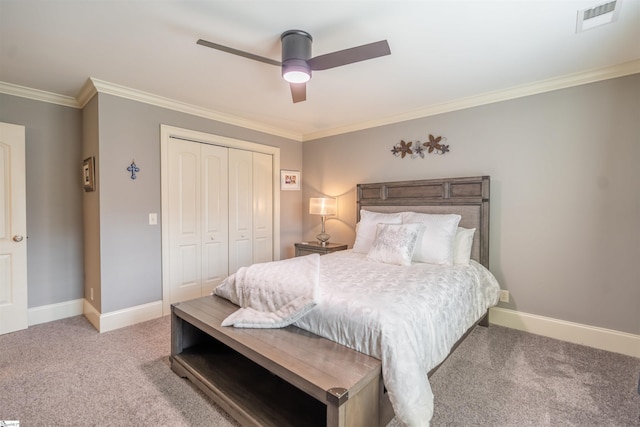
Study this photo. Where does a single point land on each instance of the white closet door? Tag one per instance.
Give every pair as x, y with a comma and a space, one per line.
240, 209
215, 216
262, 207
197, 218
220, 210
184, 216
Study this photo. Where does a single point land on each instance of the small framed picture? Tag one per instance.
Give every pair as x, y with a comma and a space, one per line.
88, 174
289, 180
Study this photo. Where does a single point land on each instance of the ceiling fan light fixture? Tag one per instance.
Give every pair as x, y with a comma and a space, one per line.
297, 62
296, 71
296, 77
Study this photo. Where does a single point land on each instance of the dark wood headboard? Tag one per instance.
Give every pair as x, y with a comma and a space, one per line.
468, 197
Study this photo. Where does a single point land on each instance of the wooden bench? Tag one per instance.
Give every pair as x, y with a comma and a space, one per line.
275, 377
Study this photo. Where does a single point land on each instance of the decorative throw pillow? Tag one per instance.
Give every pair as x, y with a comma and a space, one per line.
366, 229
394, 243
435, 244
462, 244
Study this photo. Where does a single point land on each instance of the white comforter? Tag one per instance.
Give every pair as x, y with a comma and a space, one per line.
409, 317
273, 294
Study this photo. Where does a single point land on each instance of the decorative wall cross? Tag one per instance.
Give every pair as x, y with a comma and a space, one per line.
133, 169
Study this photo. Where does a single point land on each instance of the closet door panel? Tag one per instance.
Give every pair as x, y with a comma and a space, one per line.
262, 207
240, 209
185, 249
215, 217
189, 278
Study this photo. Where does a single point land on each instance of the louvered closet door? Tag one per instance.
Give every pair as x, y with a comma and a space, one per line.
197, 218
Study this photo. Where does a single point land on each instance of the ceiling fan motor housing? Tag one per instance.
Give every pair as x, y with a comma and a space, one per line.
296, 50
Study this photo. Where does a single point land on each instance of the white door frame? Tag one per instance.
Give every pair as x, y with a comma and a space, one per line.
168, 132
13, 231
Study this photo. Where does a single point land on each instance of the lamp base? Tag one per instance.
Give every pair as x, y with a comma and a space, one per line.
323, 239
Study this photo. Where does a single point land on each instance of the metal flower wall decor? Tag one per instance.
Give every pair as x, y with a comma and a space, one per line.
433, 146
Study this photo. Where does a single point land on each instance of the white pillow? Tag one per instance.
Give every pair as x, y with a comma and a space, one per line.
366, 229
462, 244
435, 244
394, 243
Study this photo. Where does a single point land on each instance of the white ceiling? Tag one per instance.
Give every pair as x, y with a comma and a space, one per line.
442, 53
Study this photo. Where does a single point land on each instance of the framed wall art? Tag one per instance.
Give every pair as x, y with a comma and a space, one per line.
88, 174
289, 180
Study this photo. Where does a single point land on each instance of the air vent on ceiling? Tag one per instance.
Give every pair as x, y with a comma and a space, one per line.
600, 14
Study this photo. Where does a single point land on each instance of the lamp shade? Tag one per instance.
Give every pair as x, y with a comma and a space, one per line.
322, 206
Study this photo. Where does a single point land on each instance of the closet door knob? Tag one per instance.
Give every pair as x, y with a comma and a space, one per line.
17, 238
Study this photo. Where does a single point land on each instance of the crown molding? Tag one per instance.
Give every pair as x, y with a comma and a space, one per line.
170, 104
93, 86
87, 91
37, 95
563, 82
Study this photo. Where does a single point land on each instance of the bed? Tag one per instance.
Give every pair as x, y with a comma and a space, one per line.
376, 314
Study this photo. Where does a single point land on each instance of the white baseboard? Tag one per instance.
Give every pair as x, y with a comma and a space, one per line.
592, 336
105, 322
102, 322
51, 312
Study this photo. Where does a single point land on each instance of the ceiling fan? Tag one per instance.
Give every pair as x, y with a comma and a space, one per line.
297, 62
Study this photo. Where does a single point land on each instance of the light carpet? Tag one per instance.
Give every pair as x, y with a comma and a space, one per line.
64, 373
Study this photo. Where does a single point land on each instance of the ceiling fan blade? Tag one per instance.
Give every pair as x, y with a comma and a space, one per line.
239, 52
298, 92
349, 56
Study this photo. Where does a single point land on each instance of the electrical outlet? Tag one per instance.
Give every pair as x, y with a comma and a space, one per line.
91, 293
504, 296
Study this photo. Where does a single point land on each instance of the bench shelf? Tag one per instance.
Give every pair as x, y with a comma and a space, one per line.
274, 377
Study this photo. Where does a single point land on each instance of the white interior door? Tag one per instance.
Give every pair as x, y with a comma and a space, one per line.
198, 218
185, 251
240, 209
215, 216
262, 208
195, 250
13, 229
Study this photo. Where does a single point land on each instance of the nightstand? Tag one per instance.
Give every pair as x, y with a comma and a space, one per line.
307, 248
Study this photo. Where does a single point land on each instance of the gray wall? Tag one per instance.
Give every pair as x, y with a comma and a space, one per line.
130, 248
565, 192
122, 251
54, 197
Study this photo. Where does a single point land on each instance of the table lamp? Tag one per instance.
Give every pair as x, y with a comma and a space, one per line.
323, 206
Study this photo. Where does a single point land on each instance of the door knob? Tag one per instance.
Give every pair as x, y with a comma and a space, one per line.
17, 238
